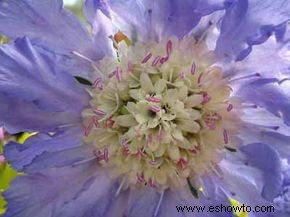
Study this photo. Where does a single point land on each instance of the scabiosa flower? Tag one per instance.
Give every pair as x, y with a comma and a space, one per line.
157, 104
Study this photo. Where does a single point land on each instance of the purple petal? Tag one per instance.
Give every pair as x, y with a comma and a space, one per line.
268, 59
153, 20
34, 94
278, 141
270, 94
143, 200
102, 26
30, 153
48, 24
81, 190
154, 204
242, 181
247, 23
283, 200
267, 159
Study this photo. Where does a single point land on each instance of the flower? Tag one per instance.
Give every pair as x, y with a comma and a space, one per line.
157, 104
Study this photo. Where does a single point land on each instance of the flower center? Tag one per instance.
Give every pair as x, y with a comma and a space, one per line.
164, 114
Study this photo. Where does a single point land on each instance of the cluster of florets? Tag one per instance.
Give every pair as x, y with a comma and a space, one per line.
162, 115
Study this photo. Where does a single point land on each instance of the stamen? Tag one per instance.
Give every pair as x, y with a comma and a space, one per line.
155, 61
140, 178
159, 204
283, 80
168, 52
206, 98
199, 78
182, 163
126, 151
194, 151
110, 123
230, 107
154, 162
120, 187
106, 155
98, 84
155, 108
226, 138
149, 140
152, 183
115, 43
118, 74
153, 99
125, 145
146, 58
102, 155
140, 153
246, 77
82, 56
89, 127
249, 106
269, 127
81, 162
160, 134
112, 74
218, 173
182, 75
124, 142
100, 112
169, 47
193, 68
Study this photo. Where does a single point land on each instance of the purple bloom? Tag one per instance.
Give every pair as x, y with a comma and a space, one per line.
188, 105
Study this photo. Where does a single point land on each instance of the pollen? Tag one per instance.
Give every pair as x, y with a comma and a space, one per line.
163, 114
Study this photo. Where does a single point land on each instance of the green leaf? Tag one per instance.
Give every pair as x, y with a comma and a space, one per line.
7, 174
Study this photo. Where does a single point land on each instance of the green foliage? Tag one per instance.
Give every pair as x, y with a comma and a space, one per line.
7, 174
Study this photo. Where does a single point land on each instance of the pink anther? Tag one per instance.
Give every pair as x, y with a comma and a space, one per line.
89, 128
226, 137
182, 163
182, 75
169, 46
110, 123
140, 177
154, 162
102, 155
119, 74
193, 68
99, 112
230, 107
156, 61
153, 99
155, 108
98, 84
152, 183
206, 98
199, 78
146, 58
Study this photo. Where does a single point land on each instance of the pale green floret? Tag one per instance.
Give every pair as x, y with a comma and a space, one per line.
160, 124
